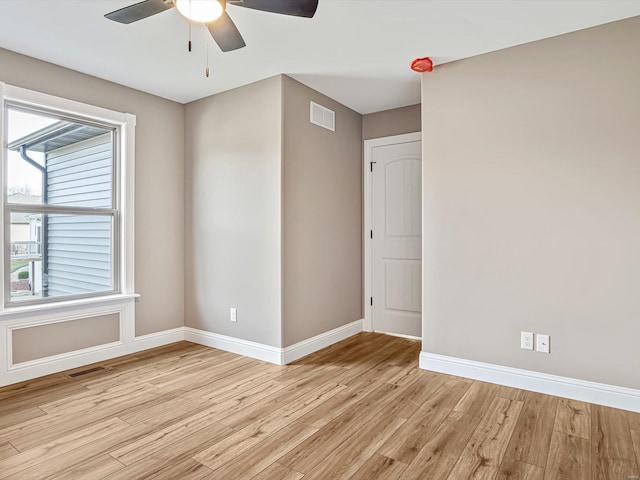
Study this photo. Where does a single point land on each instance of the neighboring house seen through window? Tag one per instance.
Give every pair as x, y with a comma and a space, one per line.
62, 209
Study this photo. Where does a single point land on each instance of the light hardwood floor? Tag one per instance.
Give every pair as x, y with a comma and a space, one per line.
360, 409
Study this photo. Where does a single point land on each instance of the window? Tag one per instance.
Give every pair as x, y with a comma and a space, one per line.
65, 184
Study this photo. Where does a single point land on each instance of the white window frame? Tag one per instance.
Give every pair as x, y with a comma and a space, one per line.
124, 123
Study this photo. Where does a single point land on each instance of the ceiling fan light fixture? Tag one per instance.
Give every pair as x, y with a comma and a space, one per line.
201, 11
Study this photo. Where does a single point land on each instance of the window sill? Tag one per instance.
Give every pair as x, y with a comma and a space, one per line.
55, 306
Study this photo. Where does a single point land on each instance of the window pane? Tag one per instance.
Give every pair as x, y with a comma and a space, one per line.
58, 255
57, 162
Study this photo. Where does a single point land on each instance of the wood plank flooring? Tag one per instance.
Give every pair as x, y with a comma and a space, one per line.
360, 410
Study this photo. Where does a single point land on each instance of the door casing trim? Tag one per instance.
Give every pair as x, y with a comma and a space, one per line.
369, 145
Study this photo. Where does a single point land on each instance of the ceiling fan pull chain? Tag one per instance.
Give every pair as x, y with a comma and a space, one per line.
207, 70
189, 26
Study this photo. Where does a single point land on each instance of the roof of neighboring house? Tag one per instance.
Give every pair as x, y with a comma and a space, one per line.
23, 217
58, 135
24, 198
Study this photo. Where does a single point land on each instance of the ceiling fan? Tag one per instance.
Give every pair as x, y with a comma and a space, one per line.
213, 14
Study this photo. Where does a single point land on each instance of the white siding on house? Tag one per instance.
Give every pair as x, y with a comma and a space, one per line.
79, 175
79, 254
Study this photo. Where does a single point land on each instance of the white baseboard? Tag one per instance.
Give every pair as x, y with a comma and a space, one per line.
255, 350
158, 339
21, 372
400, 335
267, 353
592, 392
313, 344
58, 363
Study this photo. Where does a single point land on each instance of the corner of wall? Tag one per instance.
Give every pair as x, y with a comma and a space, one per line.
321, 194
233, 182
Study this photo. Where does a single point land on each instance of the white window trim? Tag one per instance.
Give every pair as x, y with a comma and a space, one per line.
126, 123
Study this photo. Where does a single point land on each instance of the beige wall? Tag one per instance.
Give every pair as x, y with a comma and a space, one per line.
159, 197
32, 343
532, 205
391, 122
233, 156
322, 220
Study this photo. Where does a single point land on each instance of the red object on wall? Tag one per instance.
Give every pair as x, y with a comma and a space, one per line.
422, 65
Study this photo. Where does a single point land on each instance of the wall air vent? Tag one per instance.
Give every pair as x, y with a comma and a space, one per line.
323, 117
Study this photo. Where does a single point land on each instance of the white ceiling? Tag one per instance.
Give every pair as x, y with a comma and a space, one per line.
355, 51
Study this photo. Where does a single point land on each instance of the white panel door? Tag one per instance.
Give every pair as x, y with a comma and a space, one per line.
396, 221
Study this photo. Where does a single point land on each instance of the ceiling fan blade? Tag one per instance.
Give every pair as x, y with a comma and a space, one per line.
297, 8
225, 33
138, 11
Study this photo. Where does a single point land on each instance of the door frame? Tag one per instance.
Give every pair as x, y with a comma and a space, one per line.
369, 145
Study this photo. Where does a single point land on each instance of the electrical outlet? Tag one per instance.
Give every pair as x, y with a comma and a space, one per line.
233, 315
526, 340
542, 343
